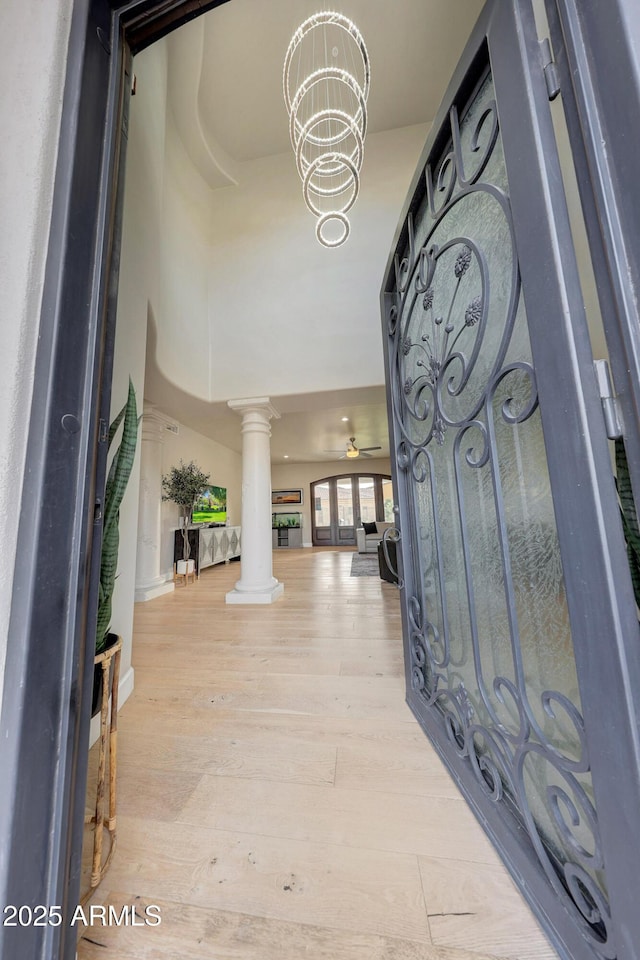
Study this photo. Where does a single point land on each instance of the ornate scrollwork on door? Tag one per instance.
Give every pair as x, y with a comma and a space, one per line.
489, 637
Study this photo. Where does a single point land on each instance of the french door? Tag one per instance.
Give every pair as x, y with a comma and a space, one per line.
340, 504
520, 627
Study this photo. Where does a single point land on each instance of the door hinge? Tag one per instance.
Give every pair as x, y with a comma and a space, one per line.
610, 406
549, 69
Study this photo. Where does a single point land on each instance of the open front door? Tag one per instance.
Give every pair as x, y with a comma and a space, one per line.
520, 626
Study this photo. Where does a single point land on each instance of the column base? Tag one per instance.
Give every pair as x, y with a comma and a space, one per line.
264, 595
151, 590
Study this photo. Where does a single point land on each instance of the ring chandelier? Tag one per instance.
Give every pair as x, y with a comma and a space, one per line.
326, 85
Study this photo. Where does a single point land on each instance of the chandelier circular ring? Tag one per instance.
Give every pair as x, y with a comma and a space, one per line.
328, 116
327, 218
351, 184
319, 20
322, 76
350, 129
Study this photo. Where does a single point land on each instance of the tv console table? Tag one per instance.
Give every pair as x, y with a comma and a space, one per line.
209, 545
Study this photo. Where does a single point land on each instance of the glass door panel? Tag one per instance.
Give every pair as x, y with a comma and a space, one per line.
493, 590
322, 513
345, 510
321, 505
387, 501
367, 496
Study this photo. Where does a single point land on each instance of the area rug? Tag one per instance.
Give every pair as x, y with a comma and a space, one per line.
365, 565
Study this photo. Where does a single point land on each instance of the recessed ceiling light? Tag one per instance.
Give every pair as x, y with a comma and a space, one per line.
286, 456
345, 419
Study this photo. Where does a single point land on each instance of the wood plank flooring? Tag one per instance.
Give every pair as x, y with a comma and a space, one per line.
277, 799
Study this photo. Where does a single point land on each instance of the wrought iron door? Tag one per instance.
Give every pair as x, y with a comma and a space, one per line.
518, 610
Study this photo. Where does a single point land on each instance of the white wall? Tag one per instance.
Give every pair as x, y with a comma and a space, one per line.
225, 469
32, 65
182, 314
301, 475
138, 288
282, 309
163, 271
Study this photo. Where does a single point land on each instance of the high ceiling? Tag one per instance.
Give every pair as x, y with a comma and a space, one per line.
413, 46
225, 91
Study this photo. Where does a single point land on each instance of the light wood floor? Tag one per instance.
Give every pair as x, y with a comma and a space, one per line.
277, 799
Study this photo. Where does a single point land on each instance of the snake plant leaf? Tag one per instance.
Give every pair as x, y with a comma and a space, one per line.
116, 423
123, 460
629, 516
116, 484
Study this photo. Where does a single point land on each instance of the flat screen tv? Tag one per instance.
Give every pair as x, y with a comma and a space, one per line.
211, 507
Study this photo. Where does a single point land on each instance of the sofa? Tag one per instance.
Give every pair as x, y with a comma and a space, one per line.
369, 535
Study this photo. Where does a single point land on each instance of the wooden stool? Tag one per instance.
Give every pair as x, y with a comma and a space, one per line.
108, 754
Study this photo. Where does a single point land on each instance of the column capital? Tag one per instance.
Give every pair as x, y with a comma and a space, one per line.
259, 405
155, 424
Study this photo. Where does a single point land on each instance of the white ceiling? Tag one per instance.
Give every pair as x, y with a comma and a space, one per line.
413, 46
225, 89
310, 429
311, 426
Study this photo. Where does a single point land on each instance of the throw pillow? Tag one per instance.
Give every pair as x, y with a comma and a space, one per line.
369, 528
382, 525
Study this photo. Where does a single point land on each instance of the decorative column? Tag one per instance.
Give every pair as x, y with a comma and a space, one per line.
257, 583
149, 582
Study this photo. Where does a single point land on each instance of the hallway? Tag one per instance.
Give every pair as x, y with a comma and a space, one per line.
278, 800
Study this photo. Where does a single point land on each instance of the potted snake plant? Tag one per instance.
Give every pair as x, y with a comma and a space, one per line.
117, 479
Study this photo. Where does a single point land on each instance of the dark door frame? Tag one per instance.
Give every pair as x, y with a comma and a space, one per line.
44, 725
597, 50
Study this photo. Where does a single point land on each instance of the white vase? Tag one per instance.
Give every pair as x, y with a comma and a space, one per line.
181, 567
191, 566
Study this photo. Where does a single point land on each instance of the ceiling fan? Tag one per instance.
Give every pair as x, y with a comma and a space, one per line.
352, 451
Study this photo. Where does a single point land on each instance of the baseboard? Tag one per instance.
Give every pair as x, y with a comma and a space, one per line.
143, 594
125, 689
307, 544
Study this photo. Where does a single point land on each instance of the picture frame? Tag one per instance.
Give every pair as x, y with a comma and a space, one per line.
284, 498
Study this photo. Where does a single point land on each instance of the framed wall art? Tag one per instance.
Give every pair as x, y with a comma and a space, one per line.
281, 498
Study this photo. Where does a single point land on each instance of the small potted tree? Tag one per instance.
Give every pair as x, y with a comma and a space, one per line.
183, 485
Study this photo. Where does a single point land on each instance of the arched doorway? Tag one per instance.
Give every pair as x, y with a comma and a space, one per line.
342, 503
